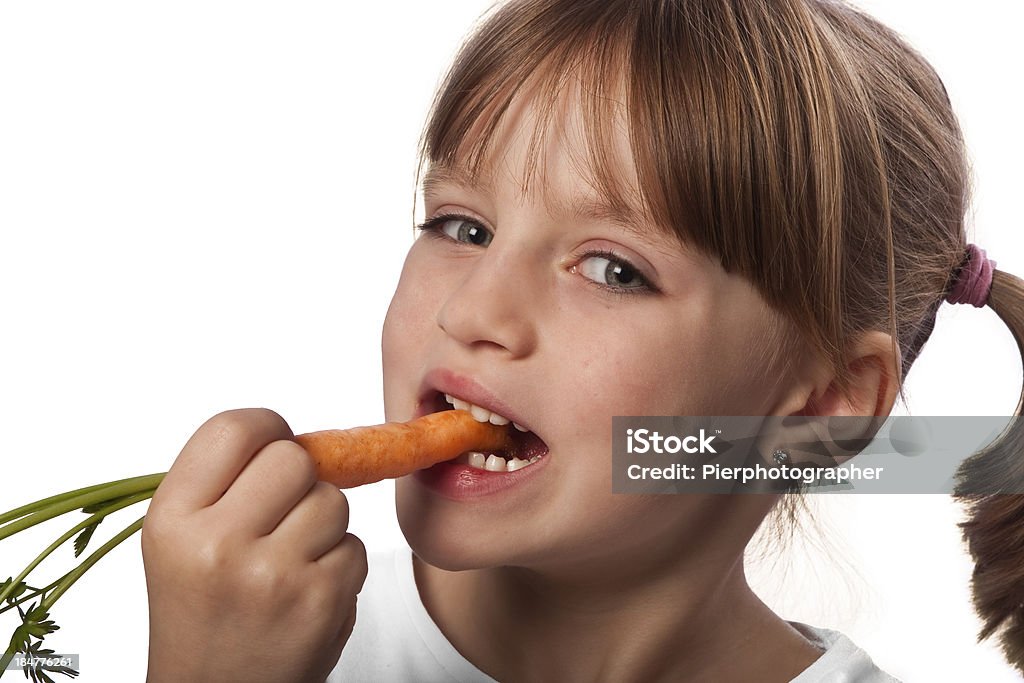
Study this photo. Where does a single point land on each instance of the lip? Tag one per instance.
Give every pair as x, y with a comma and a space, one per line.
458, 481
450, 382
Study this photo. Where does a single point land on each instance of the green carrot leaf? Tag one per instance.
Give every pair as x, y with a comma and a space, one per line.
96, 507
16, 591
37, 672
83, 538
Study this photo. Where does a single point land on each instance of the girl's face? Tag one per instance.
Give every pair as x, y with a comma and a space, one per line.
560, 320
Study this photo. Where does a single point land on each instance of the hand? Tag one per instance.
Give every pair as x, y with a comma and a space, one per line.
250, 571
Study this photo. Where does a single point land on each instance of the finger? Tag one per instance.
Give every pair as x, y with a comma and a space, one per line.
316, 524
216, 453
346, 563
271, 484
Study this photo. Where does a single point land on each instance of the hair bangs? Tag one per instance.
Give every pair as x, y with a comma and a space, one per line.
552, 72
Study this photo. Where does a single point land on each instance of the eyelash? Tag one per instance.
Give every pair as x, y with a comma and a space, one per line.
431, 226
646, 287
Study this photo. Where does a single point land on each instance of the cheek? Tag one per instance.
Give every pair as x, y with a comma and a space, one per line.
410, 318
681, 363
649, 372
412, 307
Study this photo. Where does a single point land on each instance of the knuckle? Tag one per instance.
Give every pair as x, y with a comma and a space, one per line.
357, 552
270, 419
212, 557
228, 425
330, 495
345, 572
294, 458
223, 431
266, 580
157, 533
213, 552
364, 567
231, 425
333, 503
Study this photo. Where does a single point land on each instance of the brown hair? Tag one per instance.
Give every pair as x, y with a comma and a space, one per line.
994, 528
801, 142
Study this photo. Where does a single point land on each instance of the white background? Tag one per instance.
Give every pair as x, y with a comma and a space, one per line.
205, 205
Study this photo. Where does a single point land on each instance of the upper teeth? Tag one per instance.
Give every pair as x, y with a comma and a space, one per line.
481, 414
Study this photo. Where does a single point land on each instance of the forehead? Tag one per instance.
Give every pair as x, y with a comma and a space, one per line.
543, 149
579, 205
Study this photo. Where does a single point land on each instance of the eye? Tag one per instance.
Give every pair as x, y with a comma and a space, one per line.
459, 228
612, 272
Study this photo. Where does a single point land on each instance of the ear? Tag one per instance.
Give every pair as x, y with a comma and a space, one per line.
873, 371
874, 383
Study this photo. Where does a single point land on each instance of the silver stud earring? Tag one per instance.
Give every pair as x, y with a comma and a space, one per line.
780, 456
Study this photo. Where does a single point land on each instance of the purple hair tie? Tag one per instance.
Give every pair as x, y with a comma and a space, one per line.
974, 279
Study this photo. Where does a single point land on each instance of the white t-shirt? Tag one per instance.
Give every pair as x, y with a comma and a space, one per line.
395, 640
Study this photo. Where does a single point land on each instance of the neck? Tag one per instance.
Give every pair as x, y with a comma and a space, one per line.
678, 617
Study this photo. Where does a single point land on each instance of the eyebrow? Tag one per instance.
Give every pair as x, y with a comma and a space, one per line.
579, 208
436, 176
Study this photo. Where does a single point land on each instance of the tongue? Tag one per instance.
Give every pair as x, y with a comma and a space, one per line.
525, 445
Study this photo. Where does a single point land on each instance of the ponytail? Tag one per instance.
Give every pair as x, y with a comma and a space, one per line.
988, 485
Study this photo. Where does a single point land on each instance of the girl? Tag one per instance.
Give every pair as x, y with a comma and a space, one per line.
633, 208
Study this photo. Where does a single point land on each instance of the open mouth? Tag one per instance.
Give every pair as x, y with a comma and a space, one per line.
525, 448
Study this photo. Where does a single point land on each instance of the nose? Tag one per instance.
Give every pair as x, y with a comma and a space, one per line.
494, 305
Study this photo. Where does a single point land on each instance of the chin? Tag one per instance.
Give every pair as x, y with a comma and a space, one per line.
444, 536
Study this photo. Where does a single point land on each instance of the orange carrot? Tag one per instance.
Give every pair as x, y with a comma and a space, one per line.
363, 455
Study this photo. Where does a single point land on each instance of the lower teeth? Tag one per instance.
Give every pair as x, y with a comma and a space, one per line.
496, 463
